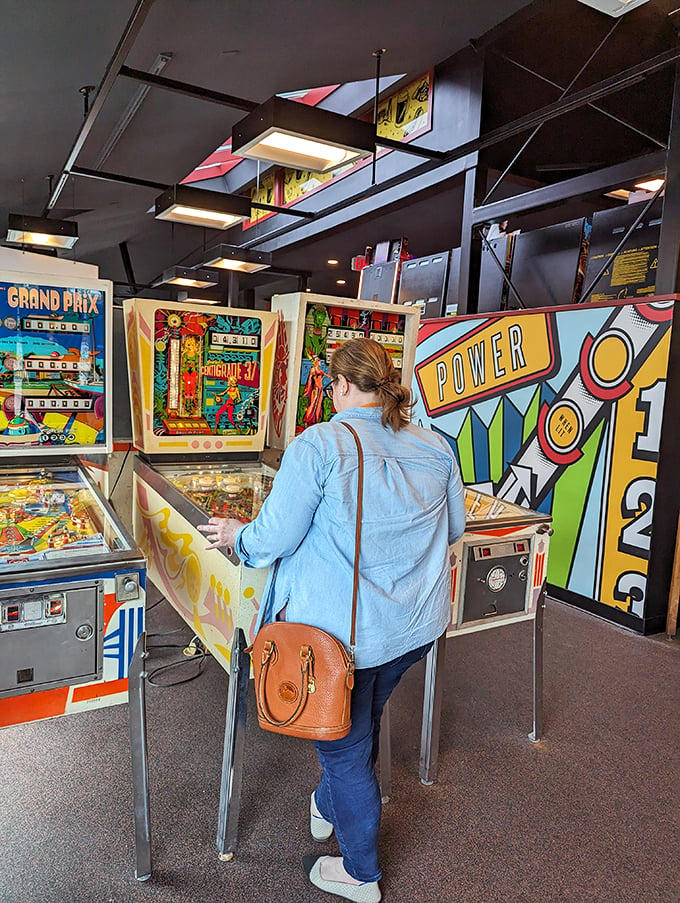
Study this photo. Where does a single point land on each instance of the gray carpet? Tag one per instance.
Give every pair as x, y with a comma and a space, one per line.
589, 814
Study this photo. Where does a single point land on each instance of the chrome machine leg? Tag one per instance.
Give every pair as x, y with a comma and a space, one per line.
432, 711
234, 747
140, 762
537, 732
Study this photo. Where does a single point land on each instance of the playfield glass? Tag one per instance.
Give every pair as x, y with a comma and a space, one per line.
224, 490
481, 507
49, 514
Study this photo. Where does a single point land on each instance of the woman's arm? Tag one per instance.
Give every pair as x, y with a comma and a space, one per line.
285, 516
455, 497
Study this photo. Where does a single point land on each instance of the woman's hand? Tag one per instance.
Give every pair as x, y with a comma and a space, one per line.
221, 532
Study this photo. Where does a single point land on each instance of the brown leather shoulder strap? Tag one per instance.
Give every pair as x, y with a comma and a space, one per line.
357, 535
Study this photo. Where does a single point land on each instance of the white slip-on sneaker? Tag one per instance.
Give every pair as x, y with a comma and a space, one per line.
369, 892
320, 829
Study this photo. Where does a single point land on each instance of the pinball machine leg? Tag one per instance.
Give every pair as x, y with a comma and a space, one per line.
234, 747
537, 732
140, 764
432, 711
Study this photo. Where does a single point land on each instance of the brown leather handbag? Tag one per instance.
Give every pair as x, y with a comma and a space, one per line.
303, 675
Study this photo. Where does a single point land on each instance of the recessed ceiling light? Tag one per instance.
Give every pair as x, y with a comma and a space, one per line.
341, 282
650, 184
332, 262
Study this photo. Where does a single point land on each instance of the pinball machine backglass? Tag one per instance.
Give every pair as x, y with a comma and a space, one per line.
71, 580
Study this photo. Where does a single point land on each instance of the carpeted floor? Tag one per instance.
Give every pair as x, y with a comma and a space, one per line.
589, 814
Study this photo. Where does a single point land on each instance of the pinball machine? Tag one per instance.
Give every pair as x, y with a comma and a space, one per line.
200, 383
205, 383
203, 441
72, 582
498, 578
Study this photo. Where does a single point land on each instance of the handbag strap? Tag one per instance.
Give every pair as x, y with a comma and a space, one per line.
357, 536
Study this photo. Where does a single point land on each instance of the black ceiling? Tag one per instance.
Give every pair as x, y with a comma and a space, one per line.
55, 48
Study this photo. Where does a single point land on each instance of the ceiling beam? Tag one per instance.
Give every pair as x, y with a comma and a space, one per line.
587, 184
195, 91
599, 181
103, 176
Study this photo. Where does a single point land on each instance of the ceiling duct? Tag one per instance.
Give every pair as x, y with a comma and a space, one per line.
157, 67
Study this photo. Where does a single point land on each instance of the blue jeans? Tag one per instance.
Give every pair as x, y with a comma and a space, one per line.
348, 794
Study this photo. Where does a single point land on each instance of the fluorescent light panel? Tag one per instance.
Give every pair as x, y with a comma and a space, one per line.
240, 260
302, 137
196, 207
38, 230
613, 7
188, 277
650, 185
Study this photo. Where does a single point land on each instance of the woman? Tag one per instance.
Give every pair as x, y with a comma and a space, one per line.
413, 509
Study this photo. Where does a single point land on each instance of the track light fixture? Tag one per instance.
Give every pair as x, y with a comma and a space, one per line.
188, 277
199, 207
302, 137
241, 260
38, 230
614, 7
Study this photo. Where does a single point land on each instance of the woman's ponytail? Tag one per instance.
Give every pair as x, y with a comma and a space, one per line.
366, 364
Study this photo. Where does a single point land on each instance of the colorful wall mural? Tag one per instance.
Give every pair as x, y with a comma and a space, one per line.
559, 410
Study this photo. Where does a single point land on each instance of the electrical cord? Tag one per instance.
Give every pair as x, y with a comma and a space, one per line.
157, 602
198, 658
167, 632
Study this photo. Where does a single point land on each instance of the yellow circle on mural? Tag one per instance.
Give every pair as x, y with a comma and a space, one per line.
563, 428
610, 359
248, 592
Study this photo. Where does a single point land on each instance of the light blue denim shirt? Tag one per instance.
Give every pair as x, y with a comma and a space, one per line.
413, 509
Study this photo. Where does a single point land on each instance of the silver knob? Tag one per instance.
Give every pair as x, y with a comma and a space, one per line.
84, 631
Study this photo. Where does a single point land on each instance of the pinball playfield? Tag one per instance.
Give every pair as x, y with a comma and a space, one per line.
223, 491
43, 517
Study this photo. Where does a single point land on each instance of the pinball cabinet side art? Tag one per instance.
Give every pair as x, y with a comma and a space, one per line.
72, 581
